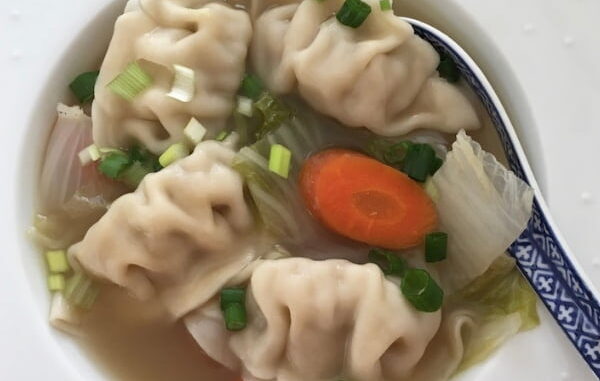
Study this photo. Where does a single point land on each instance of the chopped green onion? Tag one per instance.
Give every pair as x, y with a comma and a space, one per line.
134, 174
184, 84
274, 114
353, 13
421, 290
385, 5
418, 161
396, 154
279, 160
235, 316
194, 131
222, 135
232, 295
89, 154
244, 106
435, 246
144, 157
388, 262
132, 81
173, 153
57, 261
81, 291
448, 69
113, 164
56, 282
251, 87
435, 165
83, 86
107, 150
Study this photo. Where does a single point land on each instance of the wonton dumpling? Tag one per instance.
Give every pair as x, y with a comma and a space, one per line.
178, 235
212, 39
379, 76
320, 320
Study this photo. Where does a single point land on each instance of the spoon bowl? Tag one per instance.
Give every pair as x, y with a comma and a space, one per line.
541, 252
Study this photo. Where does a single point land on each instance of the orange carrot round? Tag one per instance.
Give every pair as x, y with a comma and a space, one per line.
365, 200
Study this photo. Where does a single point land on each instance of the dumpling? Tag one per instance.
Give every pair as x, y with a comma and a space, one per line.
320, 320
179, 235
210, 38
379, 76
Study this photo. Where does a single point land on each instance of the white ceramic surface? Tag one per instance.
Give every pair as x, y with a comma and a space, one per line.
561, 82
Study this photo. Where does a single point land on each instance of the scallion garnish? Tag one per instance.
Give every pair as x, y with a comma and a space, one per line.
435, 165
388, 262
279, 160
194, 131
448, 69
81, 291
173, 153
235, 316
184, 84
353, 13
113, 164
385, 5
57, 261
421, 290
144, 157
134, 174
56, 282
232, 295
274, 113
419, 161
89, 154
435, 246
251, 87
132, 81
221, 136
244, 106
83, 86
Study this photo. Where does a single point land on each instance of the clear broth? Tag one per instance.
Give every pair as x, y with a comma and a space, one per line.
135, 341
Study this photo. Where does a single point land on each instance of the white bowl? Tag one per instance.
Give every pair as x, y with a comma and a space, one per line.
24, 320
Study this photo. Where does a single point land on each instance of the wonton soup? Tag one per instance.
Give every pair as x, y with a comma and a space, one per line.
279, 191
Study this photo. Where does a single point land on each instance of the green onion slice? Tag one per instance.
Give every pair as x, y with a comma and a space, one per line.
419, 161
222, 135
421, 290
435, 165
134, 174
244, 106
173, 153
113, 164
56, 282
57, 261
232, 295
436, 246
83, 86
81, 291
385, 5
251, 87
388, 262
448, 69
89, 154
353, 13
194, 131
132, 81
279, 160
274, 113
184, 84
235, 316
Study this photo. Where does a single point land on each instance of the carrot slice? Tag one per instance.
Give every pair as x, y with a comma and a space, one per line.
365, 200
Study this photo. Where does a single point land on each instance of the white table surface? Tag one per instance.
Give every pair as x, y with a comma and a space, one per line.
553, 46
